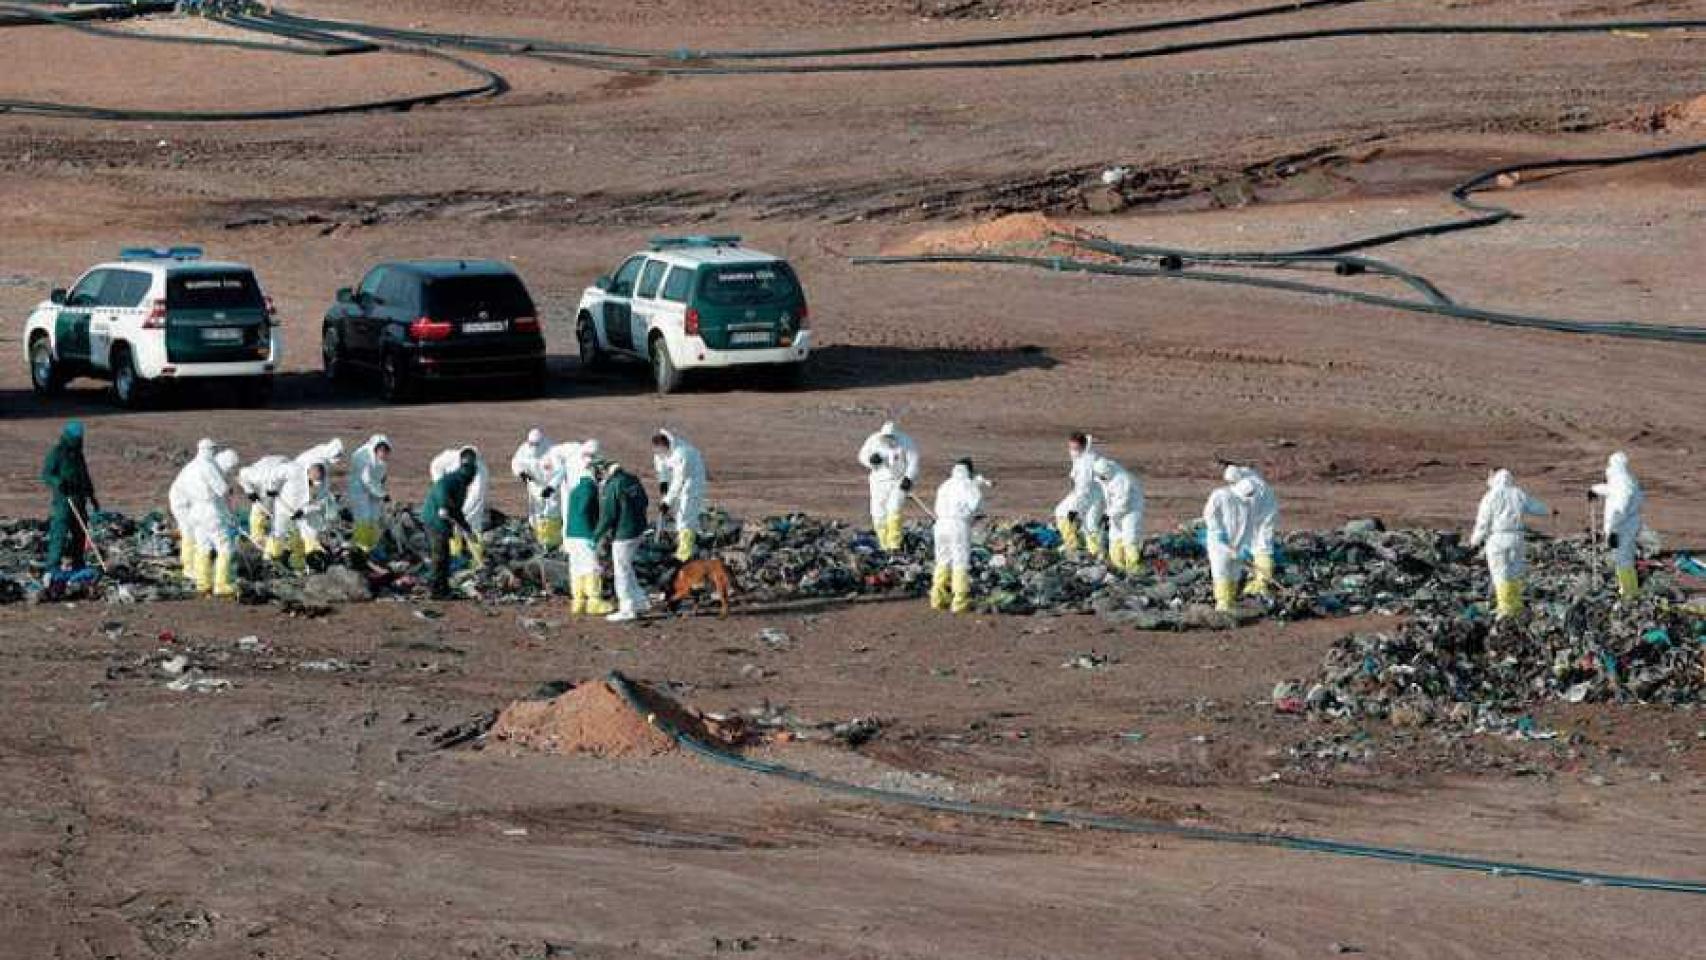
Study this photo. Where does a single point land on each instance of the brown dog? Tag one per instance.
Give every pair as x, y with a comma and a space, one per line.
711, 573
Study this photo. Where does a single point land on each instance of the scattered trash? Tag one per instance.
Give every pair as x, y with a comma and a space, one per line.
775, 639
1086, 661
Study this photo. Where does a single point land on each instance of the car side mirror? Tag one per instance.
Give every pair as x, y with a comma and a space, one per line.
605, 283
345, 295
57, 296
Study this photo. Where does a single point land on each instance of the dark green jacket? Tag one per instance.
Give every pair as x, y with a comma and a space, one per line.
622, 508
65, 471
447, 497
583, 510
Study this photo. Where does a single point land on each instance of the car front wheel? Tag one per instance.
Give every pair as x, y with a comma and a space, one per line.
44, 372
586, 339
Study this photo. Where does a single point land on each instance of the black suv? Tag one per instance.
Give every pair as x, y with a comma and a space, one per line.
422, 321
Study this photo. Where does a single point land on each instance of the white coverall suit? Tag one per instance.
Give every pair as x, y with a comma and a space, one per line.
261, 481
302, 514
368, 492
1499, 525
473, 505
1122, 494
531, 464
1259, 532
214, 524
178, 499
1079, 516
892, 459
1623, 501
1226, 518
681, 482
958, 501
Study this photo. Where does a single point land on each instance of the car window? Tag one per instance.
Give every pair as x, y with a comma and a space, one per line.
679, 285
623, 284
495, 295
125, 288
213, 290
87, 292
397, 291
748, 284
373, 282
649, 279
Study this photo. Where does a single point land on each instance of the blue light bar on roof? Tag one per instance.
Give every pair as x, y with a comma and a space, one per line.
160, 253
704, 240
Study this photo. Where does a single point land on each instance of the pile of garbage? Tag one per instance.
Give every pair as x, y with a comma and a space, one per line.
1451, 665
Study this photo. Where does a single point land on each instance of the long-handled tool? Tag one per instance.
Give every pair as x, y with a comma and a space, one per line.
927, 511
1593, 532
88, 534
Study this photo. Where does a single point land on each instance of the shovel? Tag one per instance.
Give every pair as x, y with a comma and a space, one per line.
88, 534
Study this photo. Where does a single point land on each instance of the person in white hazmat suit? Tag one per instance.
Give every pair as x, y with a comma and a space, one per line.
369, 490
1499, 525
958, 501
473, 505
305, 508
1079, 516
681, 488
1122, 495
1226, 520
531, 464
1258, 543
1622, 525
179, 498
261, 482
214, 521
892, 459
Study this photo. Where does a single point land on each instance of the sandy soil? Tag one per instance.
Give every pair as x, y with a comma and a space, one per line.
302, 814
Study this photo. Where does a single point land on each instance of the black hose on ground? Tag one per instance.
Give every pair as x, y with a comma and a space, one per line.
1421, 858
317, 43
621, 60
1624, 329
308, 43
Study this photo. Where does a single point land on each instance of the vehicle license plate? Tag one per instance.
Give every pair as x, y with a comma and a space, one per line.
486, 326
222, 334
750, 339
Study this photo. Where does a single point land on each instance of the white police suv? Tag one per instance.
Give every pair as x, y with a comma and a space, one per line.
691, 303
153, 317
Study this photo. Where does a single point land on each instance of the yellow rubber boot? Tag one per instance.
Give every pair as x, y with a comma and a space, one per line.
1116, 555
596, 605
1262, 578
366, 535
477, 553
1628, 583
962, 591
224, 582
1093, 544
187, 554
939, 586
893, 536
685, 542
1133, 558
259, 522
1225, 596
577, 594
275, 549
549, 530
456, 545
204, 572
1068, 535
1508, 599
298, 553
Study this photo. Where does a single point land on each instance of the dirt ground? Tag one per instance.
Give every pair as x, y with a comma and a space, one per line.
304, 813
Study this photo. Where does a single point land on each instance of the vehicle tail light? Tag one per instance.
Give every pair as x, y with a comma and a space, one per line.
156, 319
426, 328
805, 318
692, 323
526, 325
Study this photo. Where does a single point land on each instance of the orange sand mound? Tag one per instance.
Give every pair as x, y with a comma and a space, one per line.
594, 719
